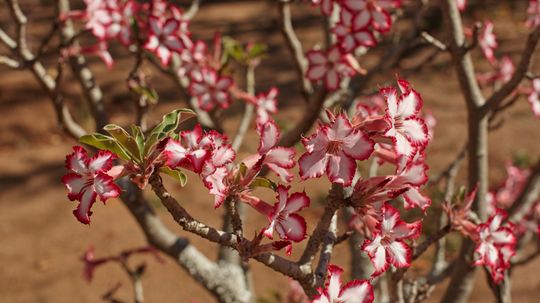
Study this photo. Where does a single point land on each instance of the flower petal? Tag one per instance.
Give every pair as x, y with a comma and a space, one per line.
292, 228
312, 165
357, 292
83, 212
77, 161
340, 168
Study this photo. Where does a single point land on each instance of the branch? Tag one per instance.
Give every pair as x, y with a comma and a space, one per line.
527, 197
9, 62
48, 84
462, 279
20, 22
451, 168
248, 110
192, 10
334, 201
91, 90
520, 73
188, 223
434, 41
221, 280
295, 47
326, 252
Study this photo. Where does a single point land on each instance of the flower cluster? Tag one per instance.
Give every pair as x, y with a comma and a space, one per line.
205, 153
393, 131
504, 68
360, 21
162, 29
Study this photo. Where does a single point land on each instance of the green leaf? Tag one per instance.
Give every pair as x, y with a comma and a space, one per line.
263, 182
125, 139
257, 50
234, 49
100, 141
169, 123
139, 138
176, 174
149, 93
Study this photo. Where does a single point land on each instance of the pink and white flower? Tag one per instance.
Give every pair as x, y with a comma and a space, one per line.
192, 59
266, 104
375, 11
504, 70
488, 42
88, 180
533, 12
408, 131
189, 151
111, 19
356, 291
330, 66
352, 31
405, 182
495, 243
283, 215
210, 89
163, 38
279, 159
387, 246
334, 149
534, 97
216, 168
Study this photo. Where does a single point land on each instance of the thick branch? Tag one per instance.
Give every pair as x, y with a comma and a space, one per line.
222, 281
463, 274
188, 223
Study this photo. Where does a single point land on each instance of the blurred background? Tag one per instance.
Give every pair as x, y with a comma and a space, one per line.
41, 243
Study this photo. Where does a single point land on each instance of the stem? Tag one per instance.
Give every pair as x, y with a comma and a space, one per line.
248, 110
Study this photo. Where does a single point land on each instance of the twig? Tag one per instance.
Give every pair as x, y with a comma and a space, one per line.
9, 62
334, 201
192, 10
20, 21
527, 197
189, 224
434, 41
295, 46
521, 72
326, 251
453, 166
526, 259
248, 110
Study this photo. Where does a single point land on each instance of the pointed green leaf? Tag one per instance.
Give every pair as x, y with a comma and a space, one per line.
125, 139
263, 182
176, 174
103, 142
169, 123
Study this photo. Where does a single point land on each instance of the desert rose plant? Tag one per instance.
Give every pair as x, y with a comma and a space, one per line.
370, 144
